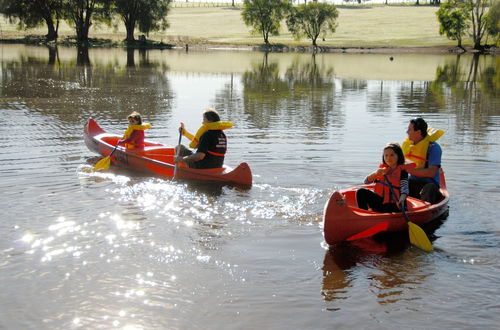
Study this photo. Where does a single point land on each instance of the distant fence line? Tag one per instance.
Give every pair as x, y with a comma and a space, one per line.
201, 3
239, 3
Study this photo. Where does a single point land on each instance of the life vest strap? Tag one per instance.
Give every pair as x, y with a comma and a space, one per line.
215, 153
415, 156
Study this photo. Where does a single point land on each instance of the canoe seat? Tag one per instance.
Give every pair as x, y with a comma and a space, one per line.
414, 204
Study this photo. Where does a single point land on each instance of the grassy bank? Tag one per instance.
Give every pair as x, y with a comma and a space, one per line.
377, 26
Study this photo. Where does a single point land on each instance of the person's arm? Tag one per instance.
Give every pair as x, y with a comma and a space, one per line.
131, 139
374, 175
191, 158
405, 190
428, 172
197, 156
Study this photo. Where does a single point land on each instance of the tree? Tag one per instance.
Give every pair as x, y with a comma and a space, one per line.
32, 13
264, 16
150, 15
493, 20
453, 17
82, 12
478, 18
312, 20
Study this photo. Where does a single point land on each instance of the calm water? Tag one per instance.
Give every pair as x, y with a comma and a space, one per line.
120, 250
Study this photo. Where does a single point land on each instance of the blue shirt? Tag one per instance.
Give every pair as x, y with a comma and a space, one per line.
434, 153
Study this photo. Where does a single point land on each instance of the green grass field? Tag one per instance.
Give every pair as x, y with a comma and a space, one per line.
375, 26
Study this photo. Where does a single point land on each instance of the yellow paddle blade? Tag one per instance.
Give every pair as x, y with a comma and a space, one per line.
103, 164
419, 238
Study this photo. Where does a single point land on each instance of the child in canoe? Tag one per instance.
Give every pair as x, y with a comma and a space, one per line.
134, 134
391, 183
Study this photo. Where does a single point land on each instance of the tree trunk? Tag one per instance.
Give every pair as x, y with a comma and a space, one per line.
459, 40
51, 30
130, 26
82, 32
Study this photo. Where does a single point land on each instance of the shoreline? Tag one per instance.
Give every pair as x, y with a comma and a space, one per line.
370, 29
197, 45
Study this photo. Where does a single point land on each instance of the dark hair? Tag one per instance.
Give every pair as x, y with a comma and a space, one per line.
211, 115
419, 124
397, 149
136, 116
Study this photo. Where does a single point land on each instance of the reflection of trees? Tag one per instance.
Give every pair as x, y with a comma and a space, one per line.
229, 100
75, 89
468, 87
379, 100
82, 56
417, 97
53, 55
263, 90
303, 97
353, 85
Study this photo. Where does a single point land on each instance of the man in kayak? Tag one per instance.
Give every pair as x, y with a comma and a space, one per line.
210, 141
421, 148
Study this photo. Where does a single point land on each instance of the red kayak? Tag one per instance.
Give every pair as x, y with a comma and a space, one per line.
157, 159
343, 220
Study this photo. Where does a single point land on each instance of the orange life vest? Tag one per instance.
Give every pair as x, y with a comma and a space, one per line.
394, 176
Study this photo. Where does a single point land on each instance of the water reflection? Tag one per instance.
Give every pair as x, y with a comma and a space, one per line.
303, 96
53, 55
121, 249
394, 269
104, 90
82, 56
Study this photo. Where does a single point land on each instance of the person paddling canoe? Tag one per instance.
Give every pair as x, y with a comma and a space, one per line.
210, 143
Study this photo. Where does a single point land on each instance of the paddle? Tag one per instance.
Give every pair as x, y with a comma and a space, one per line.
418, 237
104, 163
178, 149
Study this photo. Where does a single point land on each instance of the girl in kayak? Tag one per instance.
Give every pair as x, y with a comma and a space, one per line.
391, 183
134, 134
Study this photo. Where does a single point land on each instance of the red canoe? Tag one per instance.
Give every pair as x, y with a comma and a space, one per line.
342, 219
157, 159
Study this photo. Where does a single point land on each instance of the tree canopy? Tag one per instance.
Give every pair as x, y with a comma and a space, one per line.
265, 16
149, 15
493, 20
32, 13
312, 20
454, 19
458, 17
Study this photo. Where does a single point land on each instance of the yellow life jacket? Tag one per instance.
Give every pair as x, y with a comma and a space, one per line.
132, 128
129, 131
217, 125
417, 153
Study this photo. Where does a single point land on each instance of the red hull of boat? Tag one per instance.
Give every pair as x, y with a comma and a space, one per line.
343, 219
157, 159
